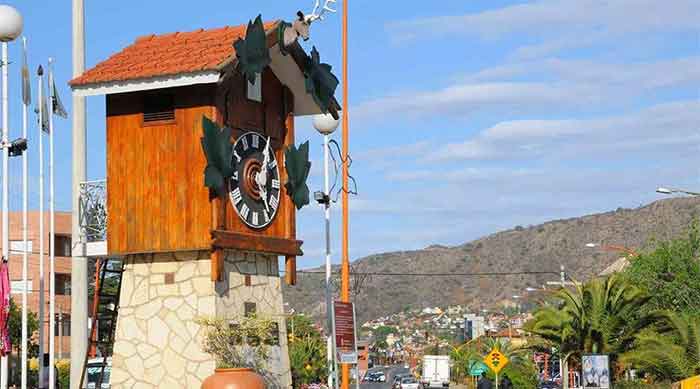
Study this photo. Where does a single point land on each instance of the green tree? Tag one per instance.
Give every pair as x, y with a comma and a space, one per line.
15, 329
601, 316
381, 332
671, 350
301, 326
670, 273
307, 357
462, 358
307, 351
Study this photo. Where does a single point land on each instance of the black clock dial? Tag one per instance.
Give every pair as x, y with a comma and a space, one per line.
254, 189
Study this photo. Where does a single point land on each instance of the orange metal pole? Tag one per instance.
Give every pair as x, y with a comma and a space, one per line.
345, 265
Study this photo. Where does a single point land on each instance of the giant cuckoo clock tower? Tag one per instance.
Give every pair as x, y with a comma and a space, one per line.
203, 181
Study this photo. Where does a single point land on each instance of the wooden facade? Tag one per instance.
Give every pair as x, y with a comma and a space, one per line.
157, 200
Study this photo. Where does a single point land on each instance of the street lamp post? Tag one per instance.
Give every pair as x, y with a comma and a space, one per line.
668, 191
11, 24
612, 247
325, 124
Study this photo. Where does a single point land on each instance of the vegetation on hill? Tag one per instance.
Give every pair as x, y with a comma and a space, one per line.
644, 318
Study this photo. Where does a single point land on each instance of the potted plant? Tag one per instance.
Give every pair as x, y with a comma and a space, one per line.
240, 348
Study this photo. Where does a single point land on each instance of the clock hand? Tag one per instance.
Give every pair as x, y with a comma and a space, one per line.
263, 194
266, 160
261, 177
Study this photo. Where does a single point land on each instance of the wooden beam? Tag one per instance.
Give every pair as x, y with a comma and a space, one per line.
290, 275
249, 242
217, 262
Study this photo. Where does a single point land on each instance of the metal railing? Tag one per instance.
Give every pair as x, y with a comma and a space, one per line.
93, 210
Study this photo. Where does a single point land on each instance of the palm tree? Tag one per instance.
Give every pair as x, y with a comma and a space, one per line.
601, 316
462, 358
669, 351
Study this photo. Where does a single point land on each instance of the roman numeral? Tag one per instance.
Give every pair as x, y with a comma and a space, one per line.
245, 143
235, 175
256, 141
272, 164
236, 196
273, 202
245, 211
238, 157
275, 183
255, 218
266, 215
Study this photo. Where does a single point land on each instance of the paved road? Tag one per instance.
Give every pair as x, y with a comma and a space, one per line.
390, 372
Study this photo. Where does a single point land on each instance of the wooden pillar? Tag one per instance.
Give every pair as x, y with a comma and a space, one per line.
290, 269
290, 263
218, 223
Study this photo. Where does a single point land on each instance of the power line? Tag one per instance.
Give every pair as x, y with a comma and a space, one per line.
476, 274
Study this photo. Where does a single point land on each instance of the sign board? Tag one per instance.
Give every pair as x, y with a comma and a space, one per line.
19, 286
476, 368
344, 324
17, 246
690, 383
495, 360
596, 371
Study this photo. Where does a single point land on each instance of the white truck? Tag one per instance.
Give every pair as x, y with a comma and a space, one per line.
436, 371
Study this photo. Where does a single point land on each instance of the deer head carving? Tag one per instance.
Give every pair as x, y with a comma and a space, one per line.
301, 25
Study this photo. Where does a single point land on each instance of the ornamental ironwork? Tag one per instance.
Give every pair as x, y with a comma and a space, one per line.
92, 209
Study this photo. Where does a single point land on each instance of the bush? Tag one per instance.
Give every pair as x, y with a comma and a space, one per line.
639, 384
63, 367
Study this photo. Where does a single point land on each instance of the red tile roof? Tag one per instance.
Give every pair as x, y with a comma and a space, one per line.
169, 54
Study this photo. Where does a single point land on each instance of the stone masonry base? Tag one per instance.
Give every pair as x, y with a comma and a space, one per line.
158, 343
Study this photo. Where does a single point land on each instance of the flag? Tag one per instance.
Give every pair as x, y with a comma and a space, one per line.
57, 106
43, 121
26, 90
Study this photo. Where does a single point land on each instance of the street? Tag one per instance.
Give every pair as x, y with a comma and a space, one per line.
390, 372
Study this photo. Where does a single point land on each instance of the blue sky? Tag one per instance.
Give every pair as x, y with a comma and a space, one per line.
466, 117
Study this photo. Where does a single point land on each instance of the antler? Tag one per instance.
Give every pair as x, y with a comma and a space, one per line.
313, 16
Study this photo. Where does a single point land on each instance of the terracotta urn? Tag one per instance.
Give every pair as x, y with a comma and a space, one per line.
234, 379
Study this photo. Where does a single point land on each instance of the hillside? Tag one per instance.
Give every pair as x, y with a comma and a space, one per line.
535, 248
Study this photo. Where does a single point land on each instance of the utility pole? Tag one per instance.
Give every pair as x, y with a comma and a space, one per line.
79, 273
345, 264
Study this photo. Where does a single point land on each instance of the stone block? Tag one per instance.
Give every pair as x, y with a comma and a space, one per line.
158, 333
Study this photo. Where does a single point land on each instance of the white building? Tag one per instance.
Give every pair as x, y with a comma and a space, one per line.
473, 326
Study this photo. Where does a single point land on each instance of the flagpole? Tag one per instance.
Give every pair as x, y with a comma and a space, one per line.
5, 202
25, 107
42, 318
52, 233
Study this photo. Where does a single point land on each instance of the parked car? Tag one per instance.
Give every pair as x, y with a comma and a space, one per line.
396, 383
409, 383
375, 376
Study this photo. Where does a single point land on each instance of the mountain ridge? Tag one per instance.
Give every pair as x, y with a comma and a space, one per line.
536, 248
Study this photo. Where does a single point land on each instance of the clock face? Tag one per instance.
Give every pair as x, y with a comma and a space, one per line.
254, 188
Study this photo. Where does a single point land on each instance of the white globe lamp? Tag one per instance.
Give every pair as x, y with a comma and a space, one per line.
325, 124
11, 23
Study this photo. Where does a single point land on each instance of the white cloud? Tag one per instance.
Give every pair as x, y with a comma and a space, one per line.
564, 84
549, 17
663, 128
463, 99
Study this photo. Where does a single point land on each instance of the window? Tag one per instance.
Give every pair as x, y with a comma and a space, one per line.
250, 309
254, 91
158, 108
62, 245
62, 284
63, 322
